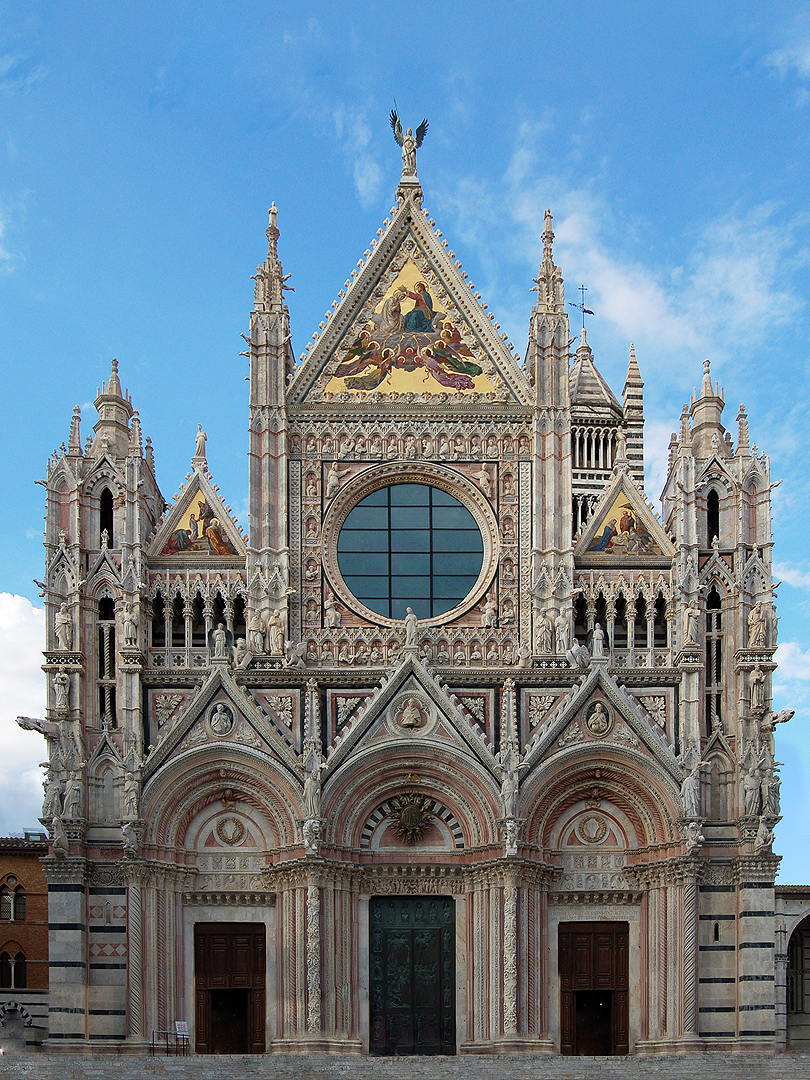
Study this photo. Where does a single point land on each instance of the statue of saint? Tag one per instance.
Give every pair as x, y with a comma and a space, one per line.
201, 439
63, 626
411, 628
409, 142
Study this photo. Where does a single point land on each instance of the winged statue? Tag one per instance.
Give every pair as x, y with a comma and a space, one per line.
409, 142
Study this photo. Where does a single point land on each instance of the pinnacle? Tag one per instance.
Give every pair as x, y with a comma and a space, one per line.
633, 373
114, 388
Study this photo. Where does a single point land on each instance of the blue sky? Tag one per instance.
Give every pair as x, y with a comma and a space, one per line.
140, 146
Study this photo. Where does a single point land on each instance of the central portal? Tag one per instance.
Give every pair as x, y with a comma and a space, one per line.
229, 969
593, 983
412, 978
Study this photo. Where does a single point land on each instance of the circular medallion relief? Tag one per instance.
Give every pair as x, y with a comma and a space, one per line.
221, 720
598, 719
410, 817
592, 829
230, 830
411, 713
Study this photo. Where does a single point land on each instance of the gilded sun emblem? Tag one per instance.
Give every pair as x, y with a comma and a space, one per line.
410, 817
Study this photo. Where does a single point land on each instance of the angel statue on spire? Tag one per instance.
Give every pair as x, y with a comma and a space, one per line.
409, 142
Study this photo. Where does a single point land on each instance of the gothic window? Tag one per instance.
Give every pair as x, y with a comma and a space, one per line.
197, 623
410, 545
660, 623
158, 622
12, 902
714, 660
620, 623
640, 628
239, 627
13, 974
106, 660
178, 624
580, 608
105, 516
712, 517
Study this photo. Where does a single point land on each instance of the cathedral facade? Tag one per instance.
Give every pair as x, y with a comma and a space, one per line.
461, 748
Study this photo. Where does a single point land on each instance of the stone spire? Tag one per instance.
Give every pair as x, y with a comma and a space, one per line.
114, 412
743, 446
135, 439
549, 280
75, 440
269, 277
634, 418
706, 417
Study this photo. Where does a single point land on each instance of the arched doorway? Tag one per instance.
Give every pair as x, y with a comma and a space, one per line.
798, 987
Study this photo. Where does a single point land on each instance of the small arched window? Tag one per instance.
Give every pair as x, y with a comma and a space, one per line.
712, 517
714, 661
13, 971
12, 902
105, 517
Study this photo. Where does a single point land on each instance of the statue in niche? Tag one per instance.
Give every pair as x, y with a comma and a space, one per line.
275, 633
313, 767
256, 632
562, 626
544, 632
129, 621
220, 639
752, 789
690, 793
52, 802
757, 678
63, 627
691, 617
61, 686
598, 643
757, 626
131, 793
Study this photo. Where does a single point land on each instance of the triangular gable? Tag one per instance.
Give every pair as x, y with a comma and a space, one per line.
104, 566
622, 525
410, 672
633, 715
409, 324
713, 470
249, 726
198, 524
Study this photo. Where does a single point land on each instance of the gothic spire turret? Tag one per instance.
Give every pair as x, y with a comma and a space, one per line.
75, 440
269, 277
634, 418
114, 412
550, 292
706, 416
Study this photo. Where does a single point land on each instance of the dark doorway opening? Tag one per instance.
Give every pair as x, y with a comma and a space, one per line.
229, 1021
412, 979
229, 978
593, 1022
593, 962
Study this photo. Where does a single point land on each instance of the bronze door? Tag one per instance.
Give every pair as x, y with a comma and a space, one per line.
229, 977
593, 961
412, 978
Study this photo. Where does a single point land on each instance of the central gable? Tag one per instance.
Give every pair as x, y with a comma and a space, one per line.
409, 327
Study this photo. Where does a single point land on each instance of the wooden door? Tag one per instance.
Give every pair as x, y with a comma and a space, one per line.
593, 962
412, 978
229, 980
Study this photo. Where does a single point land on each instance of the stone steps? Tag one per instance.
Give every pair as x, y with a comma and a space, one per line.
707, 1066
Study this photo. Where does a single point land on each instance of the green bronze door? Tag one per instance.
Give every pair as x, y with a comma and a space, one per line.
412, 979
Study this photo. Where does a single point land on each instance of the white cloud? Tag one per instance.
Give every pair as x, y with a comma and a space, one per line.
792, 58
22, 692
722, 295
16, 75
793, 661
352, 130
792, 575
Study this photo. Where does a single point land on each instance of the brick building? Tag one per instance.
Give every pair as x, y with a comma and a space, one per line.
24, 929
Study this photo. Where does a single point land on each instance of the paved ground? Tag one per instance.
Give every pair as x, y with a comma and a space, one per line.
710, 1066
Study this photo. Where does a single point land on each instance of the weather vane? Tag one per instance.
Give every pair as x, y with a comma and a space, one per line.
581, 305
409, 142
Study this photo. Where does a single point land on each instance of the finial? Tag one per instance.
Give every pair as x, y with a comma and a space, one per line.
135, 444
409, 142
742, 432
673, 451
114, 387
150, 455
75, 441
686, 431
706, 385
548, 235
